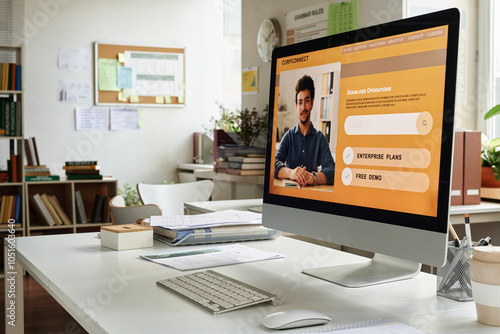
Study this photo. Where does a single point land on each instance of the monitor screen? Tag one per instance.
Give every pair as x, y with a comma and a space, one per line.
360, 137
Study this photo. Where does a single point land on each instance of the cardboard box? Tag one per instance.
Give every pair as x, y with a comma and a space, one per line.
128, 236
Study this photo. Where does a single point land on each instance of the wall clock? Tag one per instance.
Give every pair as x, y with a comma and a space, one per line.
268, 38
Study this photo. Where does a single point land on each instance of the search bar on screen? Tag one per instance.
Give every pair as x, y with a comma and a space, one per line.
418, 123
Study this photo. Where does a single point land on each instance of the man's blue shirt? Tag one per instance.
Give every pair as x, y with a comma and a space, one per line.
311, 151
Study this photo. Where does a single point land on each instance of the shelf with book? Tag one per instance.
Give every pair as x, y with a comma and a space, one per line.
11, 137
66, 193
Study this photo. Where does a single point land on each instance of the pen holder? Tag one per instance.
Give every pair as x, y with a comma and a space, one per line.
454, 278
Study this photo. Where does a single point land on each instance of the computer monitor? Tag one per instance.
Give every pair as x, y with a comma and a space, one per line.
384, 101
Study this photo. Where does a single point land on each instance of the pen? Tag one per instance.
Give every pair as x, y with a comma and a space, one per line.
453, 233
467, 229
483, 242
459, 253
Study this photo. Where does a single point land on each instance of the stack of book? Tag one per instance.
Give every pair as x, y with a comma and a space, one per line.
225, 152
10, 208
49, 210
249, 164
82, 170
34, 171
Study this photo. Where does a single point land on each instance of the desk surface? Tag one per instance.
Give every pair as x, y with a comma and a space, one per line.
115, 292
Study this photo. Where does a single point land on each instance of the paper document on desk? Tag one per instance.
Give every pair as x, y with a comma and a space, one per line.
219, 218
199, 258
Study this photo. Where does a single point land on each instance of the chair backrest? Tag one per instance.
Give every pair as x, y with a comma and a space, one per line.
171, 197
121, 214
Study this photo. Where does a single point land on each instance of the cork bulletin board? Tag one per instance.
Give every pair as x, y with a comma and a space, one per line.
139, 75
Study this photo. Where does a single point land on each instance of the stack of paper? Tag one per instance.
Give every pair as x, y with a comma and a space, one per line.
221, 226
210, 257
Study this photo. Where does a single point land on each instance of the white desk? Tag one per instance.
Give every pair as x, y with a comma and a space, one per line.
110, 291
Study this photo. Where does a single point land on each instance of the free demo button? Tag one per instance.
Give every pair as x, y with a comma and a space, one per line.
416, 123
385, 179
387, 157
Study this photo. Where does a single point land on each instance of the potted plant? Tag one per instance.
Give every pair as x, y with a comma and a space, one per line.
490, 156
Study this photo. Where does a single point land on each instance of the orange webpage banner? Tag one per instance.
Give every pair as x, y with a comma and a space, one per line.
380, 104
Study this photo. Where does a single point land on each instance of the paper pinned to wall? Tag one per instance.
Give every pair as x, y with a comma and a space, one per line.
124, 77
74, 91
108, 74
124, 119
342, 17
76, 60
92, 118
250, 81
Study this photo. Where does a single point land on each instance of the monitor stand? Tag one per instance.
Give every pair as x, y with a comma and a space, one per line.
381, 269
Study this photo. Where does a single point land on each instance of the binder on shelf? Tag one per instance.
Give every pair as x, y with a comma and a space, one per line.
457, 182
472, 167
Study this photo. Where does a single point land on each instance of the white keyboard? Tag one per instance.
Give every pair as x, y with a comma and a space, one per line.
215, 292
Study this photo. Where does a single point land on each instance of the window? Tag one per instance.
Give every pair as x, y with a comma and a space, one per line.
232, 54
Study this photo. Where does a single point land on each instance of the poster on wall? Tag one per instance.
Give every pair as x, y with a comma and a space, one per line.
249, 79
321, 20
307, 23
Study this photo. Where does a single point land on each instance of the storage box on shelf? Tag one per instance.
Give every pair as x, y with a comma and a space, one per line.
64, 191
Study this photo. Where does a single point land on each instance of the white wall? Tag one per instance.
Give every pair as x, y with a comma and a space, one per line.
151, 153
255, 11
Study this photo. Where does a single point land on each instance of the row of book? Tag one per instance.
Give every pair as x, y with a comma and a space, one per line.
100, 210
10, 117
10, 208
51, 213
10, 76
82, 170
49, 210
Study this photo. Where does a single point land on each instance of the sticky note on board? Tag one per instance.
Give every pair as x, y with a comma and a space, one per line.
134, 98
121, 98
182, 86
140, 123
180, 98
122, 57
160, 99
168, 99
139, 112
126, 93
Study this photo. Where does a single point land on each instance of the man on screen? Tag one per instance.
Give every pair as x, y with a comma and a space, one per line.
303, 148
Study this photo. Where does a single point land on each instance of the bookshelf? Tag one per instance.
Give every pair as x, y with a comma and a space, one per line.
11, 139
64, 191
327, 104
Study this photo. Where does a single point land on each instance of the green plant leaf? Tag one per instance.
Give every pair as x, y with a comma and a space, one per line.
496, 171
492, 112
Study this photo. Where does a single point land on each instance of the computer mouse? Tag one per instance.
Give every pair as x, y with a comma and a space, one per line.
294, 318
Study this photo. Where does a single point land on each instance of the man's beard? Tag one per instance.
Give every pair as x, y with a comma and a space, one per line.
305, 121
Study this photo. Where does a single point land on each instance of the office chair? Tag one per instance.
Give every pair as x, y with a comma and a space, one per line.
171, 197
121, 214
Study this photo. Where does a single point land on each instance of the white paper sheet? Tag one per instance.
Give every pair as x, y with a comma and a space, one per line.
73, 91
219, 218
75, 60
91, 118
210, 257
124, 119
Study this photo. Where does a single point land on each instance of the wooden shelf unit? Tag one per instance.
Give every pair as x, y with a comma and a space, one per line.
64, 191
